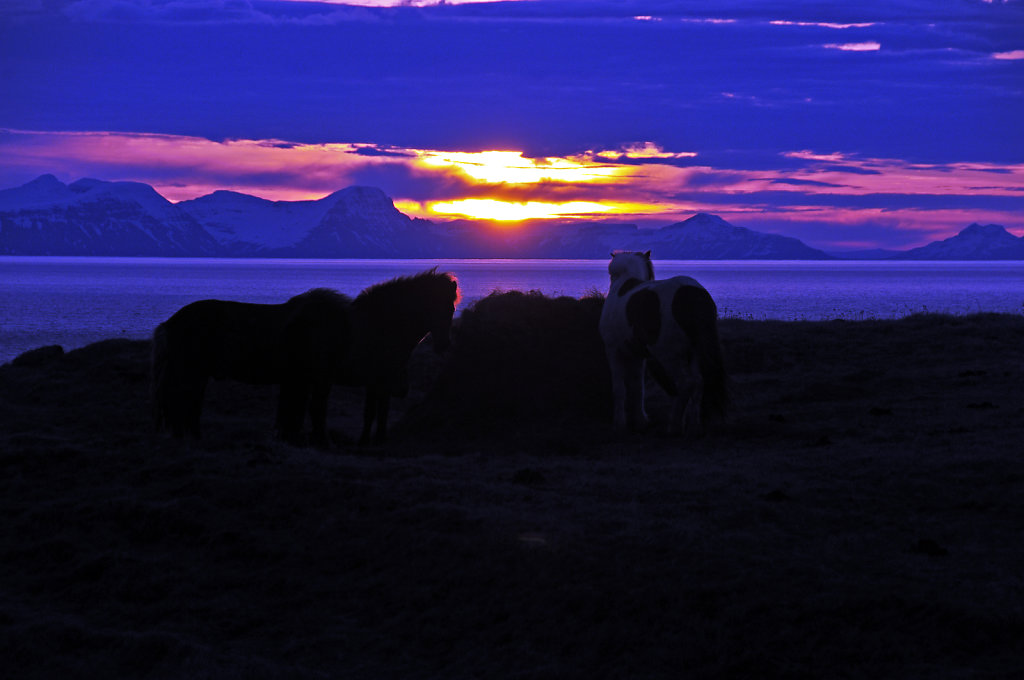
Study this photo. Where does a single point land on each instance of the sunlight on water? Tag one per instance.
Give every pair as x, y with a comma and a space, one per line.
75, 301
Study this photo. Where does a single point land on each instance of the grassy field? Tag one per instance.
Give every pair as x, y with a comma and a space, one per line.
859, 515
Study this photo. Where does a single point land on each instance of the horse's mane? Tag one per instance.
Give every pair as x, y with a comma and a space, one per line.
399, 290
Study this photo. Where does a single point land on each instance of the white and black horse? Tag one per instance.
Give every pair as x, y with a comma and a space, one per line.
671, 326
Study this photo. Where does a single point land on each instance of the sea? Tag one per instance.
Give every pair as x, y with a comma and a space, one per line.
73, 301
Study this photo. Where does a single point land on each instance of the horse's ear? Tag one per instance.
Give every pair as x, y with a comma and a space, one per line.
647, 254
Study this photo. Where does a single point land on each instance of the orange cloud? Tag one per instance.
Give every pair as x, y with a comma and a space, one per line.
639, 182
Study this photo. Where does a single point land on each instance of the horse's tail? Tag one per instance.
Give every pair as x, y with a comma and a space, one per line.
160, 388
697, 314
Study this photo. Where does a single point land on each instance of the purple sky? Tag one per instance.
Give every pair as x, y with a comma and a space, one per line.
844, 124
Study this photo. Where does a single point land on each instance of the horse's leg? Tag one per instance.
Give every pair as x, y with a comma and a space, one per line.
194, 391
291, 407
318, 413
171, 403
685, 417
383, 407
628, 391
618, 373
636, 415
369, 412
692, 424
175, 401
174, 412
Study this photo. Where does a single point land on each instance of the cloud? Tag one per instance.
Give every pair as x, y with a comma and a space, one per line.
217, 12
869, 46
539, 76
709, 96
822, 24
644, 184
804, 183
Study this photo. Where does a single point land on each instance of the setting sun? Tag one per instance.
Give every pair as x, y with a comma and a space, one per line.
508, 211
511, 167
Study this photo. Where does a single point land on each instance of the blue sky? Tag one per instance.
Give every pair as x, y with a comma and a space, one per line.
844, 124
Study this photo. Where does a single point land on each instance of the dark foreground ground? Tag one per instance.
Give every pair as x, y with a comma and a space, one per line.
860, 515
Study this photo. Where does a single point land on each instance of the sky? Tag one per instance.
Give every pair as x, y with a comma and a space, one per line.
848, 125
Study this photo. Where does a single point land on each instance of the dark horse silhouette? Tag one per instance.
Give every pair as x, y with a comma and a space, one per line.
299, 345
388, 321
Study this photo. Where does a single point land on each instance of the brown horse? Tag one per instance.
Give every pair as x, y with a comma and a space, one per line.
300, 345
388, 321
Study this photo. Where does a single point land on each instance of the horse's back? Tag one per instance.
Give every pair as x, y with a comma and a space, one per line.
646, 305
260, 343
669, 286
317, 336
228, 339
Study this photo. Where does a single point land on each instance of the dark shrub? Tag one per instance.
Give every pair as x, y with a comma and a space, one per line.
521, 357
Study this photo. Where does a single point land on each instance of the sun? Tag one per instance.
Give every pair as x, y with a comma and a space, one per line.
510, 211
550, 181
511, 167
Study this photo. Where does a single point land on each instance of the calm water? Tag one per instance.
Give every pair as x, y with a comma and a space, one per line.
75, 301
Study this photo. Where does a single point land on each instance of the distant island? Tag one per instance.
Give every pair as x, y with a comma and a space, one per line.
96, 218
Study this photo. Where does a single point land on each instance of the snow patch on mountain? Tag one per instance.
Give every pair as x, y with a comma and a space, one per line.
93, 217
252, 224
976, 242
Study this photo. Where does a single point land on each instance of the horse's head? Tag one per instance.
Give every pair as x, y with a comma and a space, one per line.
441, 308
405, 309
627, 264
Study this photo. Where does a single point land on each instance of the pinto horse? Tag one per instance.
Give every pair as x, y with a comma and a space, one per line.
299, 345
670, 325
388, 320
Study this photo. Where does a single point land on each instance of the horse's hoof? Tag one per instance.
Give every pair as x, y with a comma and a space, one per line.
640, 427
291, 439
338, 438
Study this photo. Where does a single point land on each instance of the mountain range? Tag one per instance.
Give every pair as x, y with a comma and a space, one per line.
93, 217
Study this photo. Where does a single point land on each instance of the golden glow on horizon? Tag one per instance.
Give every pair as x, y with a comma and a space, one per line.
638, 182
510, 167
510, 211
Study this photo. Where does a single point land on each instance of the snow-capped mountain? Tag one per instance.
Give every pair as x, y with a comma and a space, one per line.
363, 222
91, 217
247, 224
976, 242
709, 237
353, 222
701, 237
